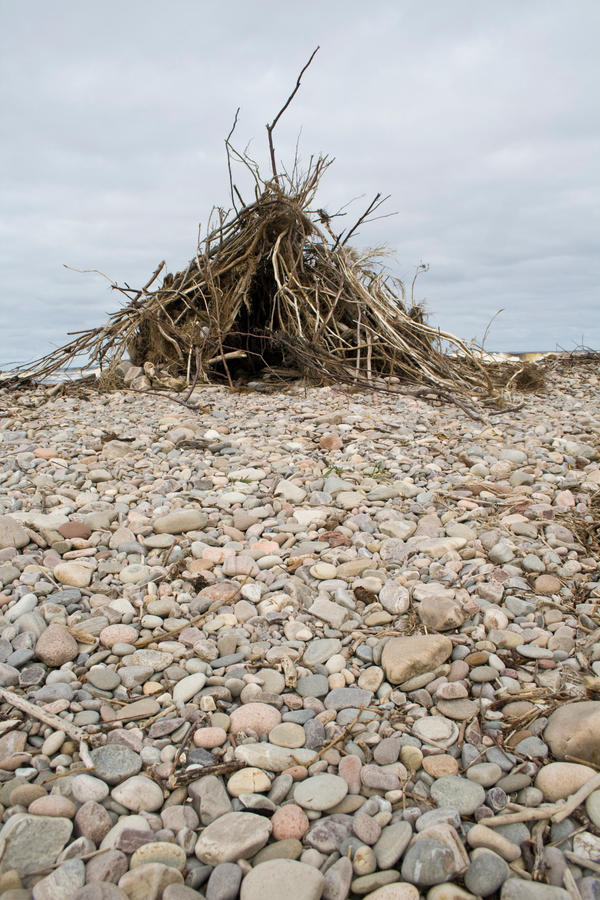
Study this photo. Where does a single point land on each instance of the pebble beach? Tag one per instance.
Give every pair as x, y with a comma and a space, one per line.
315, 644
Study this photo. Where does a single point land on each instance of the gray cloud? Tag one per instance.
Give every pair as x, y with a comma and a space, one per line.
480, 119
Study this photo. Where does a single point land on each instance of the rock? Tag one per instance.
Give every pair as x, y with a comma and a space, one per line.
224, 882
188, 687
337, 880
406, 657
248, 781
427, 862
486, 873
272, 880
138, 793
92, 821
574, 730
273, 758
209, 798
441, 613
289, 821
73, 573
29, 843
401, 890
159, 852
392, 843
62, 883
149, 882
321, 792
257, 717
56, 646
233, 836
12, 533
180, 521
53, 805
114, 763
559, 780
518, 889
460, 793
100, 891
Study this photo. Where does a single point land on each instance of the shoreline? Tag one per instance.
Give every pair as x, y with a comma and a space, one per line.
327, 638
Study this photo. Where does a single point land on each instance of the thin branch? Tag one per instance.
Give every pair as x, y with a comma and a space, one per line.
271, 127
227, 147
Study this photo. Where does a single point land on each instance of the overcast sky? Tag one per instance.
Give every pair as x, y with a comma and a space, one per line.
480, 118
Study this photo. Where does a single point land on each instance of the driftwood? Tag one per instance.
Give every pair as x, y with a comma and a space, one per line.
272, 286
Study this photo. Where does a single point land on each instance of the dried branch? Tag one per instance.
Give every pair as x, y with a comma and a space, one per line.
271, 127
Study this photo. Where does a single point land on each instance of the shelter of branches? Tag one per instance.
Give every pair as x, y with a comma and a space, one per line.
272, 286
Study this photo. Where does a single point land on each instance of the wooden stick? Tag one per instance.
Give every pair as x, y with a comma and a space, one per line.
582, 861
55, 722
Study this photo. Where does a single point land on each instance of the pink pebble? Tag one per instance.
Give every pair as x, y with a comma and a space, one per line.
289, 822
208, 738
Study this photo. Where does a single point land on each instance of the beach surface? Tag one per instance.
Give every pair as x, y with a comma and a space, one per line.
314, 643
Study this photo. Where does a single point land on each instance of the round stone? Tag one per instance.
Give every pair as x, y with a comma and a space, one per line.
85, 787
559, 780
209, 738
115, 762
323, 571
320, 792
73, 574
56, 646
53, 805
103, 678
438, 766
139, 793
250, 780
592, 807
167, 854
289, 821
118, 634
442, 731
258, 717
288, 734
460, 793
486, 874
277, 878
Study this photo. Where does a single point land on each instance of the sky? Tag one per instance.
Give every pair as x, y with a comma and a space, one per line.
480, 119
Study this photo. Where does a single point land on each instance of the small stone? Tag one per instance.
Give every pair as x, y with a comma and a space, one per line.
93, 821
115, 763
188, 687
427, 862
273, 880
321, 792
224, 882
392, 843
62, 883
32, 842
138, 793
100, 891
574, 730
210, 737
159, 852
518, 889
486, 873
460, 793
56, 646
482, 836
149, 881
406, 657
248, 781
288, 734
12, 533
559, 780
180, 521
73, 573
233, 836
289, 821
53, 805
257, 717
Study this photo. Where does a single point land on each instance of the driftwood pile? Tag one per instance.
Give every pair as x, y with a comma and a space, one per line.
273, 287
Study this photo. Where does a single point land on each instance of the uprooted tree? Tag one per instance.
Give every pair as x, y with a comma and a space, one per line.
272, 285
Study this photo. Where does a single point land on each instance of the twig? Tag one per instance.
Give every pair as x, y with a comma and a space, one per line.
577, 798
271, 127
30, 709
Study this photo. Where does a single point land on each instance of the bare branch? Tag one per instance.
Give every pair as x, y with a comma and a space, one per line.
271, 127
